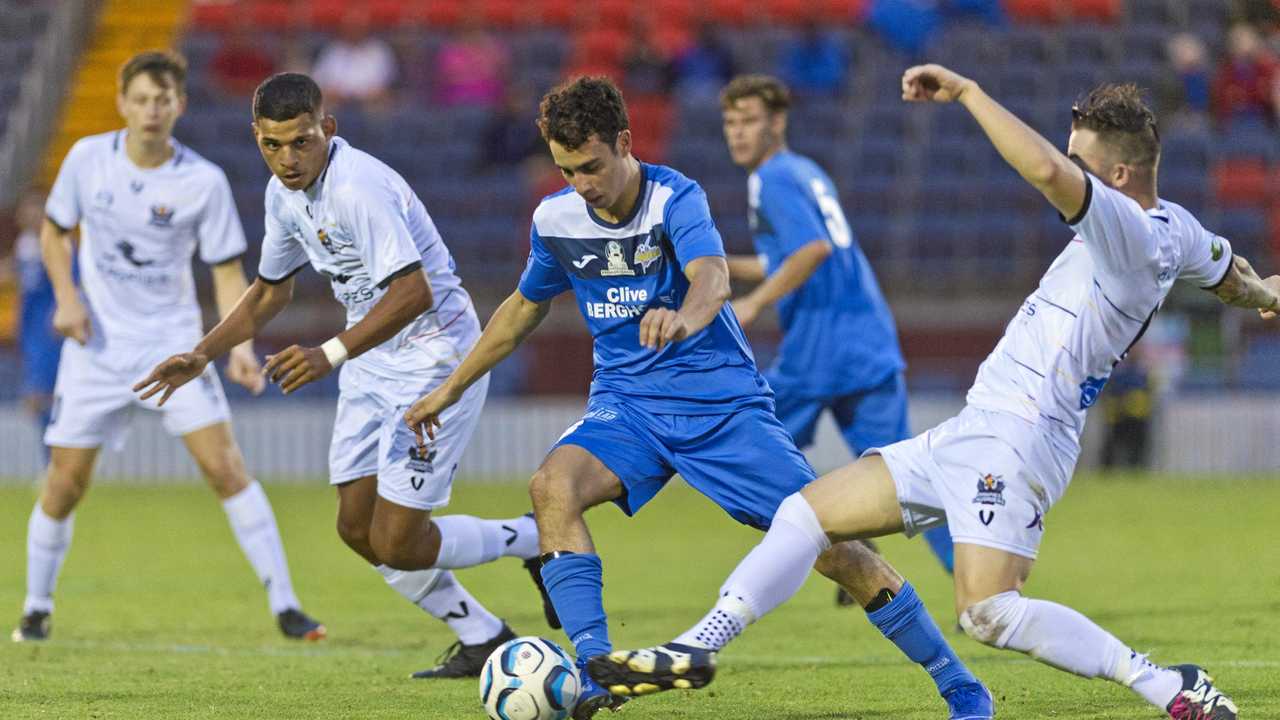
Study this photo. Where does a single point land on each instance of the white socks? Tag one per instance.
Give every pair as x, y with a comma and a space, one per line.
1063, 638
467, 541
255, 529
47, 543
443, 597
767, 577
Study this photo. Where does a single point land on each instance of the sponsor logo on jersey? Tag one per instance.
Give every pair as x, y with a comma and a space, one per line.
323, 237
623, 302
1215, 250
161, 216
601, 414
647, 254
1090, 389
127, 252
990, 490
584, 260
616, 259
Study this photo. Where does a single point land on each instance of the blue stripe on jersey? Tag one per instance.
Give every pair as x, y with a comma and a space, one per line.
619, 272
839, 336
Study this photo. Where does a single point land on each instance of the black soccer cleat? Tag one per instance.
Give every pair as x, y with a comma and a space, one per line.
35, 626
1199, 699
651, 670
298, 625
534, 566
464, 661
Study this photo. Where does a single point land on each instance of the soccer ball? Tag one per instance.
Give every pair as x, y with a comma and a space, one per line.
529, 679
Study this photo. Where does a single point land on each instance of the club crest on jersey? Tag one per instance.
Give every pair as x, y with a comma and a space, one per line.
421, 462
990, 490
323, 237
647, 254
161, 216
1090, 389
617, 260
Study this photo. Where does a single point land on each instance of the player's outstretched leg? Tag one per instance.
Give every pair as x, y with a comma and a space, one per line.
440, 594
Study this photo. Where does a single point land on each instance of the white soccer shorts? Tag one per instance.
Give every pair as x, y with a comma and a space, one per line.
371, 438
984, 474
94, 401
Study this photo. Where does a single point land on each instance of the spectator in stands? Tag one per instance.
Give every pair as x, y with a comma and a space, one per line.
356, 66
1184, 92
1244, 86
1127, 407
989, 11
905, 25
511, 137
471, 68
815, 63
645, 71
241, 61
706, 66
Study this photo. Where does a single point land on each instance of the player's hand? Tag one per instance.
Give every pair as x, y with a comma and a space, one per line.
243, 369
296, 366
924, 83
661, 326
1273, 284
746, 310
172, 374
71, 320
423, 417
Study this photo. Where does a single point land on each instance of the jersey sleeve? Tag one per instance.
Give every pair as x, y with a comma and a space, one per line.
687, 219
792, 212
219, 231
282, 253
63, 205
375, 217
1206, 258
543, 277
1115, 230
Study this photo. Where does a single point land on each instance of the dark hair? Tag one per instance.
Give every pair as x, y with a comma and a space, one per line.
166, 67
577, 109
285, 96
1120, 117
771, 91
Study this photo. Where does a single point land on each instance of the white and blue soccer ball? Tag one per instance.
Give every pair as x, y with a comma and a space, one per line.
529, 679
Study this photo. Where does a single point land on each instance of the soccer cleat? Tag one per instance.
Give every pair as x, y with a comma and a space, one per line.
971, 701
644, 672
593, 698
534, 566
464, 661
35, 626
1199, 699
298, 625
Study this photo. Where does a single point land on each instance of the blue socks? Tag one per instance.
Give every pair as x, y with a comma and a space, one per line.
905, 622
575, 582
939, 540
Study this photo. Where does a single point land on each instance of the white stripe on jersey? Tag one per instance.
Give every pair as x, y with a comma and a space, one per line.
360, 225
138, 230
566, 216
1091, 306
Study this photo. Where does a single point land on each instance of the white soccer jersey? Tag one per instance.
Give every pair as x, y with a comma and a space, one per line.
1093, 304
362, 226
138, 231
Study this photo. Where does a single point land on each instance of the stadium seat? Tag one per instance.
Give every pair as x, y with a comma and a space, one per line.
557, 13
507, 14
1102, 11
440, 14
212, 14
1152, 13
1242, 183
730, 12
1246, 228
1089, 45
602, 45
1035, 11
272, 14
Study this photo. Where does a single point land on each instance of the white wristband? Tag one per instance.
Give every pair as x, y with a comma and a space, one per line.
334, 351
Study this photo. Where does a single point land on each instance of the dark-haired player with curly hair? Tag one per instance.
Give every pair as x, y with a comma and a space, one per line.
675, 389
993, 472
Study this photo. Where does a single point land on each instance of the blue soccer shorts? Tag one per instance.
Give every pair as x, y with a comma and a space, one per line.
867, 419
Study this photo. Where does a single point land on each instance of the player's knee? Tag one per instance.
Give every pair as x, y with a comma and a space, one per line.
993, 620
552, 491
225, 474
354, 532
65, 484
398, 547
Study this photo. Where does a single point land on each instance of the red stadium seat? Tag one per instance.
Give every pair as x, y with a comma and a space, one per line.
441, 13
275, 14
1242, 183
673, 13
212, 14
603, 44
844, 12
615, 13
650, 117
1034, 11
730, 12
791, 12
327, 14
507, 14
558, 13
390, 13
672, 39
1105, 11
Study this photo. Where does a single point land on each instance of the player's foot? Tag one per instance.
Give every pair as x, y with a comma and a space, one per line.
534, 566
298, 625
463, 661
971, 701
33, 627
843, 598
593, 698
1199, 699
643, 672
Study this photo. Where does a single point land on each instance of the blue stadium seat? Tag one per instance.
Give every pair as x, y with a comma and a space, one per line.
1089, 45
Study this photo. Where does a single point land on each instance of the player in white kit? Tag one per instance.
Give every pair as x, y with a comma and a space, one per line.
409, 324
994, 471
144, 204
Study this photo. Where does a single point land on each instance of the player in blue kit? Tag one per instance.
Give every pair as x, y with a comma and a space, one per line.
40, 345
839, 347
675, 389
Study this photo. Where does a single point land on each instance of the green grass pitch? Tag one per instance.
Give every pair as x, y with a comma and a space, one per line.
158, 614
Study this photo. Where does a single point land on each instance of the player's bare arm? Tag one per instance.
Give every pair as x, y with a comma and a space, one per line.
708, 292
745, 268
256, 307
70, 318
229, 286
407, 297
1243, 287
511, 323
1051, 172
795, 271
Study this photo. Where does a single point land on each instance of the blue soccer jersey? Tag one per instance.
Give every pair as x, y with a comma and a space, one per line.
41, 345
618, 271
838, 333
